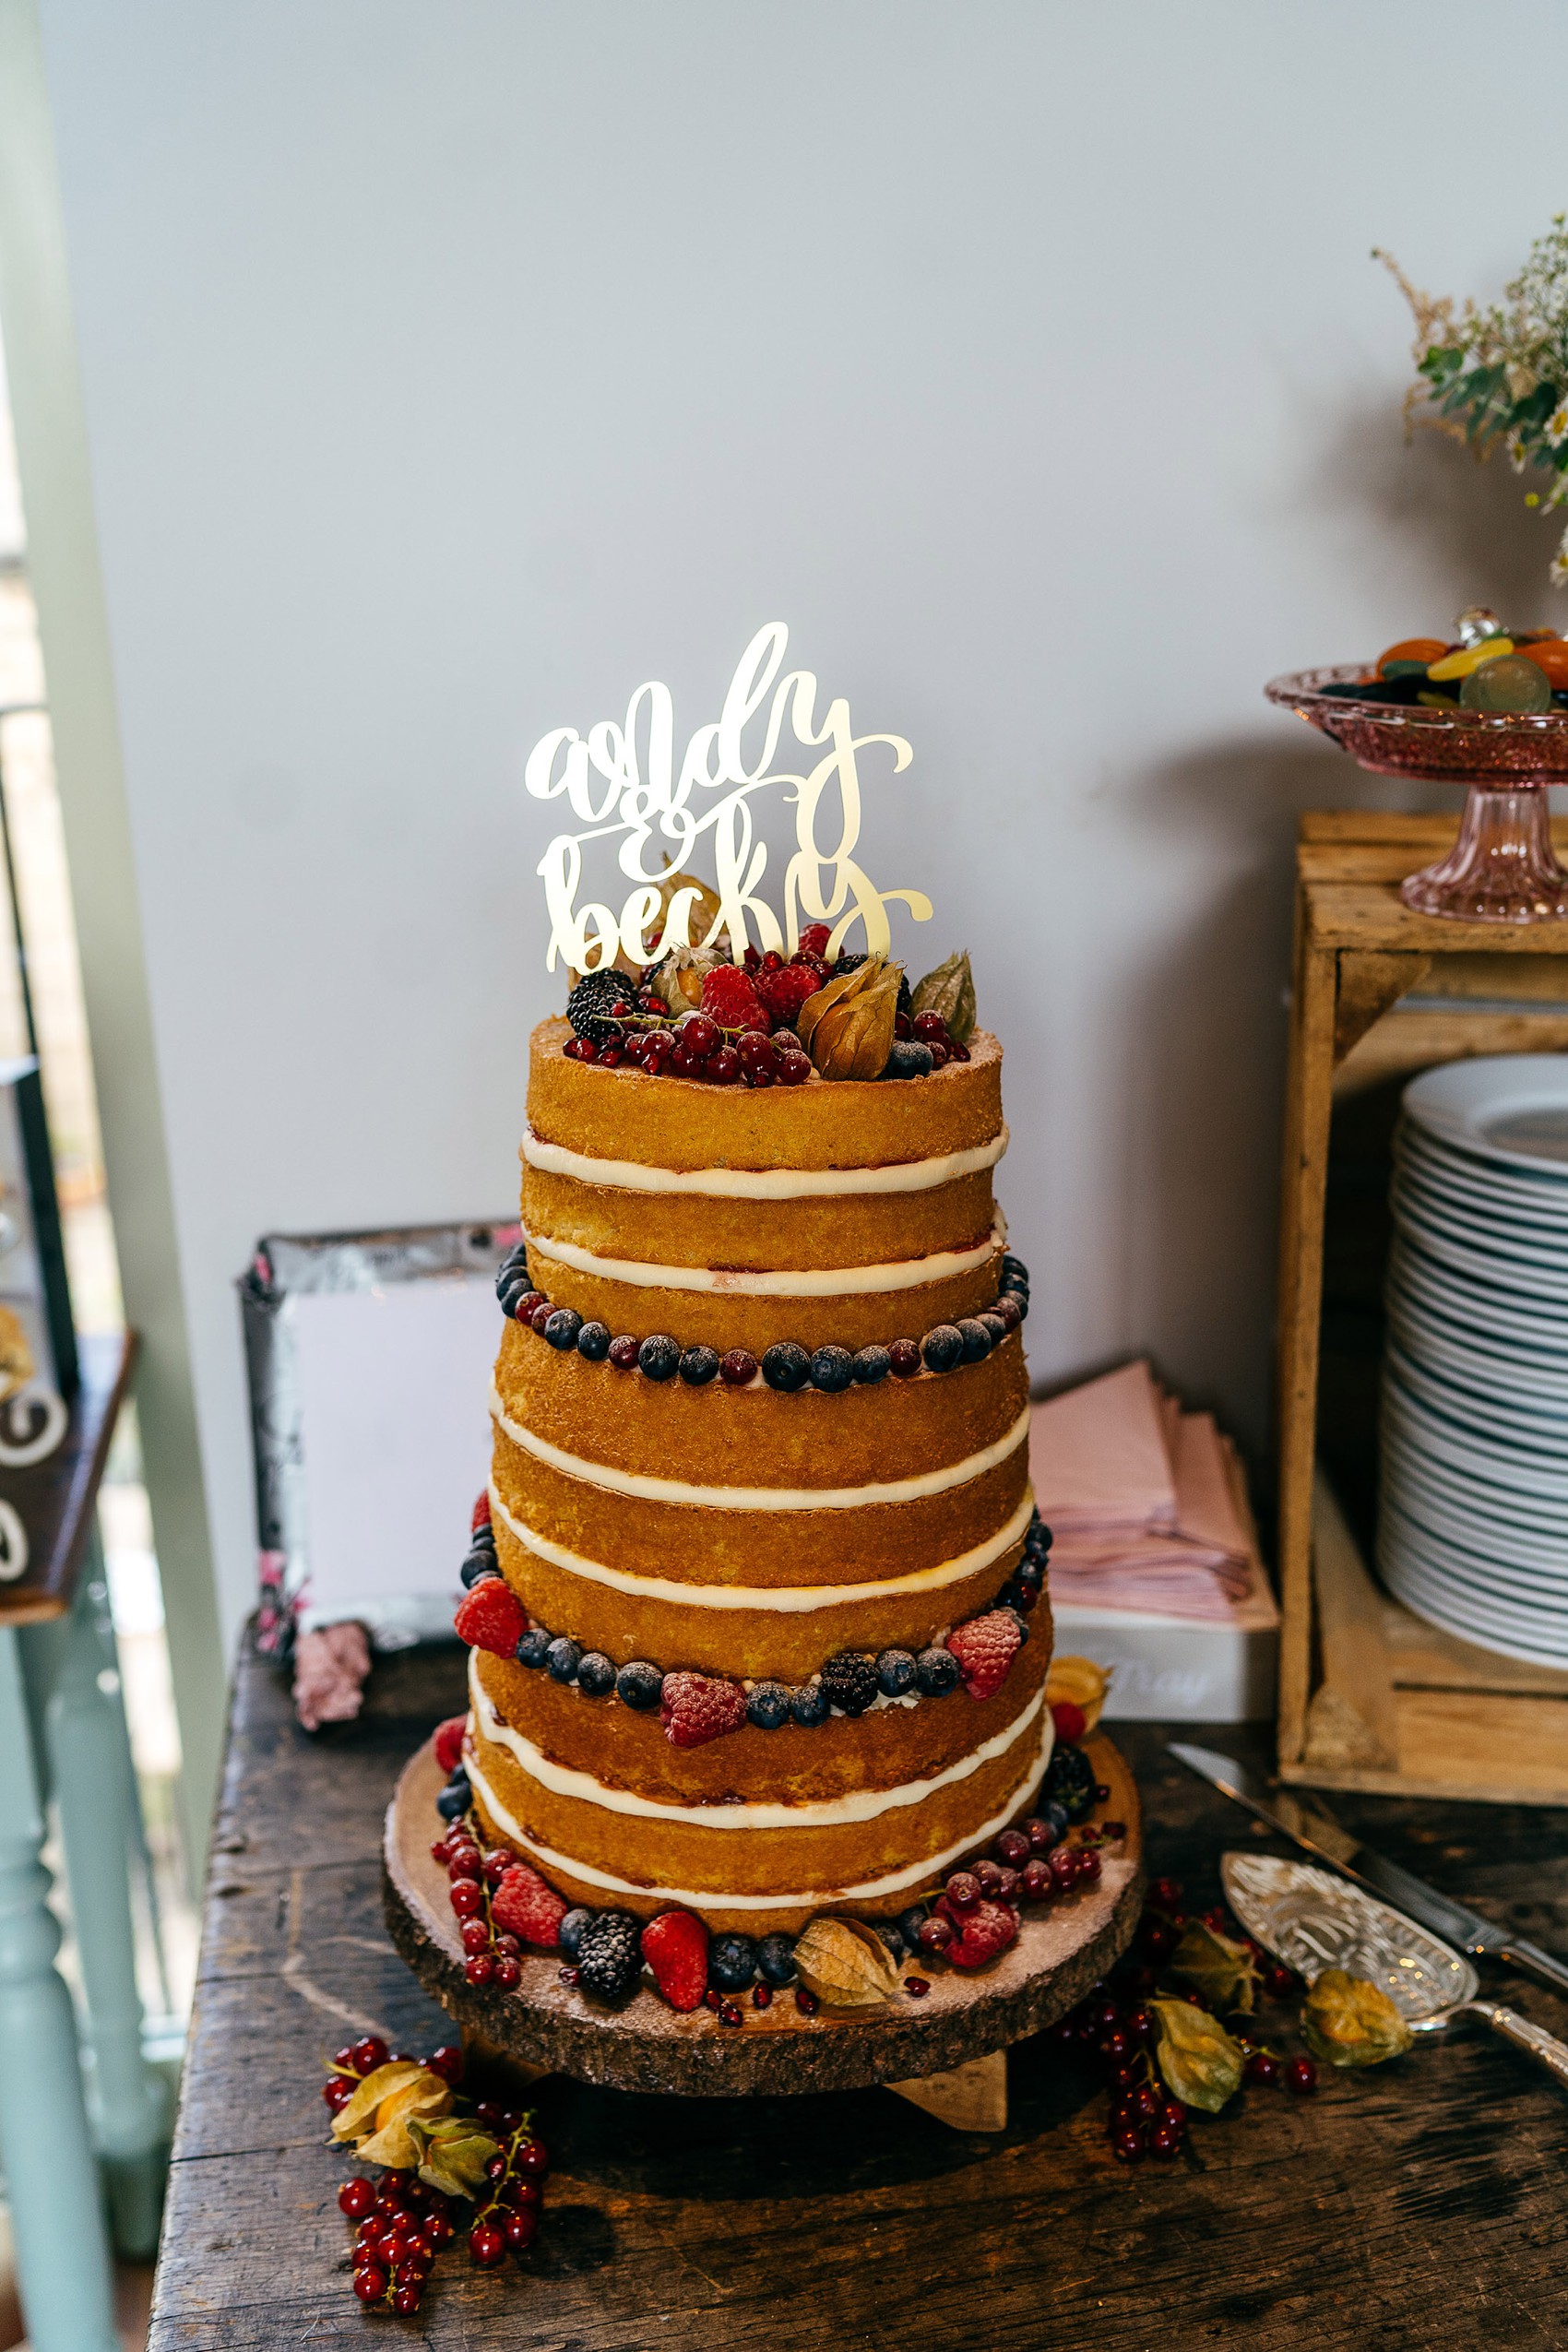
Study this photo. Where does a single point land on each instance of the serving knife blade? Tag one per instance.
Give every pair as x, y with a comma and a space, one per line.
1312, 1826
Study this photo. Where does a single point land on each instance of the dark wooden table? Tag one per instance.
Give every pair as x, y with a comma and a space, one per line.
1418, 2206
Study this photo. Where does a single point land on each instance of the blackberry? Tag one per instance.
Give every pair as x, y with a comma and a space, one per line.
596, 1675
562, 1657
639, 1684
936, 1673
562, 1328
571, 1929
776, 1959
588, 1006
832, 1369
871, 1365
850, 1681
786, 1366
906, 1003
1069, 1782
455, 1799
532, 1649
477, 1563
659, 1356
767, 1705
941, 1348
593, 1342
909, 1059
895, 1673
609, 1957
809, 1704
699, 1365
732, 1963
971, 1331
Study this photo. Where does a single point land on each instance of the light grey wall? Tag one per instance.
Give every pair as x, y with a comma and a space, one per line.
449, 371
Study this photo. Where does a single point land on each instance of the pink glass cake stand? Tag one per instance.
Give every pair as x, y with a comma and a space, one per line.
1503, 868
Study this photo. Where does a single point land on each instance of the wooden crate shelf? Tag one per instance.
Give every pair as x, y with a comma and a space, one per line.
1369, 1697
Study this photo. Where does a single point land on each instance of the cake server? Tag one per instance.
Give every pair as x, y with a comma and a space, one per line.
1314, 1829
1312, 1921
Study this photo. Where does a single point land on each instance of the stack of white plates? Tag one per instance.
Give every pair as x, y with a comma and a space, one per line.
1473, 1528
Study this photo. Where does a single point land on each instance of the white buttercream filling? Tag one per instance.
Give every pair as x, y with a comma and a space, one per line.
824, 1812
713, 1899
786, 1599
763, 1184
788, 1282
761, 1498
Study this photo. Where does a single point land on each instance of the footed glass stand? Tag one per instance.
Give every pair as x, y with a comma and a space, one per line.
1503, 868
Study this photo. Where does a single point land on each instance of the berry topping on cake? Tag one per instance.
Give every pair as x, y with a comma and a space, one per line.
593, 1342
767, 1705
785, 990
985, 1648
525, 1907
809, 1704
738, 1367
698, 1366
534, 1647
732, 1963
571, 1929
490, 1617
561, 1326
941, 1348
638, 1684
660, 1356
904, 1359
609, 1958
872, 1364
1070, 1782
561, 1659
589, 1005
850, 1681
729, 998
981, 1933
814, 939
449, 1742
675, 1947
695, 1709
832, 1369
481, 1513
596, 1675
895, 1673
786, 1366
775, 1959
936, 1673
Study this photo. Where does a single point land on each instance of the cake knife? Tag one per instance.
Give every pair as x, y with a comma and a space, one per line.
1314, 1829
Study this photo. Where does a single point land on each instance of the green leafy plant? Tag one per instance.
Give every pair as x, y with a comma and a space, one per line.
1497, 378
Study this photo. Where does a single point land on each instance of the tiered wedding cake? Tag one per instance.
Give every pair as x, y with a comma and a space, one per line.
760, 1484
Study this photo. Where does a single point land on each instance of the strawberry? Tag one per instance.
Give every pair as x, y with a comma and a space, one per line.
785, 990
481, 1513
1070, 1721
729, 998
449, 1742
523, 1905
978, 1934
984, 1648
675, 1947
814, 939
490, 1617
694, 1709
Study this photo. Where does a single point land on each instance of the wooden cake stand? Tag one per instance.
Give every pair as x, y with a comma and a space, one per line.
948, 2053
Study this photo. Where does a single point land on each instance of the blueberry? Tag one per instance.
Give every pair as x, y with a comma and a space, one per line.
482, 1537
809, 1704
732, 1963
971, 1331
1022, 1621
768, 1706
659, 1356
532, 1649
639, 1684
994, 1328
593, 1341
892, 1935
562, 1328
832, 1369
571, 1929
454, 1800
942, 1348
596, 1675
1014, 1272
786, 1366
510, 1289
562, 1657
895, 1673
698, 1366
908, 1059
477, 1563
871, 1365
910, 1923
776, 1959
936, 1673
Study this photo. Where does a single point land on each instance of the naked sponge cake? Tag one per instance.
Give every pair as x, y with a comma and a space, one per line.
756, 1602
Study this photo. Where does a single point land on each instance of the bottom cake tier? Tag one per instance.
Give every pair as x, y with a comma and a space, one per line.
682, 1832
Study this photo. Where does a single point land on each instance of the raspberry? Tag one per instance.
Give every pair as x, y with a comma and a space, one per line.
449, 1742
490, 1617
1069, 1720
523, 1905
694, 1709
675, 1947
814, 939
786, 991
981, 1933
984, 1648
729, 998
482, 1515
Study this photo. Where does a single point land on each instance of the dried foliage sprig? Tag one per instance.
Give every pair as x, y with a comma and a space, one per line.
1498, 377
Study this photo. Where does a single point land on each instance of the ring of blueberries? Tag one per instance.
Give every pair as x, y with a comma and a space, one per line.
848, 1684
785, 1366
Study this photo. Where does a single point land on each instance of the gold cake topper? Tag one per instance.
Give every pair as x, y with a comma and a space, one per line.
617, 784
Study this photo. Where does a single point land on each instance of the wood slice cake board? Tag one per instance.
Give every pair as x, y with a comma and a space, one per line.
1065, 1947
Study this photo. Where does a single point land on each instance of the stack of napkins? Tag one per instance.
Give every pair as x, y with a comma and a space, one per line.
1147, 1505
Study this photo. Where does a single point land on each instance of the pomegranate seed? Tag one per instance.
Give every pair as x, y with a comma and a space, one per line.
568, 1976
916, 1986
806, 2002
762, 1996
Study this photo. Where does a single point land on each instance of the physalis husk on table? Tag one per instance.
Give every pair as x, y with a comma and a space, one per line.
377, 2116
1222, 1973
1347, 2022
1200, 2064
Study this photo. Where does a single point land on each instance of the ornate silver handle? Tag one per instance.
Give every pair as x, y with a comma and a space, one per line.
1544, 2048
